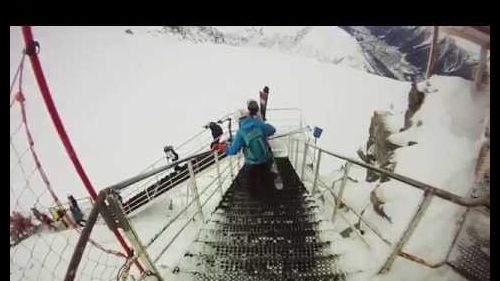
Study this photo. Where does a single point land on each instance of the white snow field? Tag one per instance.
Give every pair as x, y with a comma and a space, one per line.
123, 97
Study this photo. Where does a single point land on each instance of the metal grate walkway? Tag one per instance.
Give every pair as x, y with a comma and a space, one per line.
271, 237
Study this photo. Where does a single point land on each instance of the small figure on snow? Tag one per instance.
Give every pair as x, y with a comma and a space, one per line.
76, 212
43, 218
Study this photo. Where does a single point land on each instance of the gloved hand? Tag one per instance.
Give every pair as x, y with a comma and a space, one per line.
221, 147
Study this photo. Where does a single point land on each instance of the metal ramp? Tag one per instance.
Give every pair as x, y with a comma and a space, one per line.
271, 238
471, 254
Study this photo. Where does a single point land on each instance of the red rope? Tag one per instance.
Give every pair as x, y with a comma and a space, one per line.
51, 108
16, 75
20, 98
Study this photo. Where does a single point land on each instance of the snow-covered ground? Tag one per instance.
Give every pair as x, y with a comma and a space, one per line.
448, 142
123, 97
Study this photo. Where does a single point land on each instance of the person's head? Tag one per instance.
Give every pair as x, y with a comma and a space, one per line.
266, 90
240, 114
253, 107
212, 125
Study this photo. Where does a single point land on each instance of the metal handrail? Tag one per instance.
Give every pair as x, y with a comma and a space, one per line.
141, 249
441, 193
132, 180
364, 220
127, 182
429, 193
164, 228
188, 221
177, 147
195, 152
178, 178
123, 184
134, 194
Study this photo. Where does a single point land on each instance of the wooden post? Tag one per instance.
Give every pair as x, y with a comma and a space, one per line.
83, 239
296, 154
478, 79
433, 52
140, 251
422, 207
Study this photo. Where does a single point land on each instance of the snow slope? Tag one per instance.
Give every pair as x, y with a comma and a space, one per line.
323, 43
123, 97
448, 140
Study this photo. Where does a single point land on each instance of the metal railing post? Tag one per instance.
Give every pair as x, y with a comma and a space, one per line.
83, 239
240, 160
304, 158
188, 186
316, 174
231, 167
217, 165
417, 217
195, 189
290, 148
341, 191
301, 122
132, 236
296, 153
147, 195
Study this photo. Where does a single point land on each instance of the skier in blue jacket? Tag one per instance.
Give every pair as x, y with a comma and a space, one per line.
252, 138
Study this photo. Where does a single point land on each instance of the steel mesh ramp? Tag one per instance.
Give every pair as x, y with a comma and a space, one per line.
271, 237
471, 254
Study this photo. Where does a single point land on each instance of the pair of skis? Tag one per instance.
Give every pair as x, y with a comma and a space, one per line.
263, 97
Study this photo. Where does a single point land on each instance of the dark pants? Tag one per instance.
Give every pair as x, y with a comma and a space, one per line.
260, 180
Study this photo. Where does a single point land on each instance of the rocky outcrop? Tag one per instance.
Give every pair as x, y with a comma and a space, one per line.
415, 100
379, 150
378, 202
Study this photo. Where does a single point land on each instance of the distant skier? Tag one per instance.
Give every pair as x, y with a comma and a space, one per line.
170, 153
217, 133
43, 218
73, 202
75, 210
58, 216
172, 156
77, 215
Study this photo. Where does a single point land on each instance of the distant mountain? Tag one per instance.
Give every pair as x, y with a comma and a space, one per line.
325, 44
411, 44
